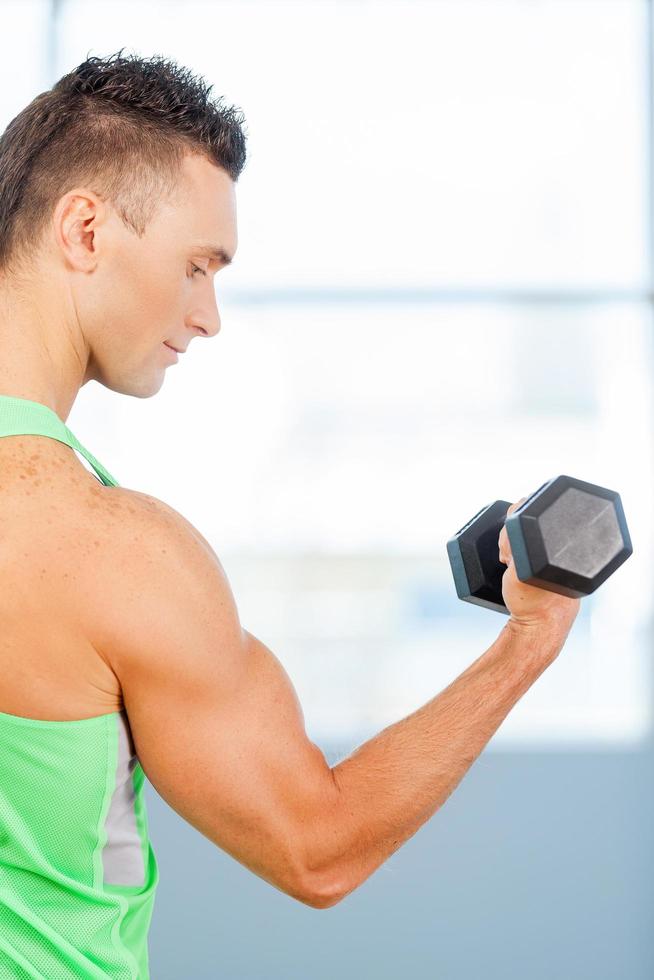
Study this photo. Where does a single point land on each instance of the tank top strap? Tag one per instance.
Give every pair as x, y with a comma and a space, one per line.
20, 416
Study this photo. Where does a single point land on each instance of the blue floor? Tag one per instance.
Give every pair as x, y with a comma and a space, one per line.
539, 866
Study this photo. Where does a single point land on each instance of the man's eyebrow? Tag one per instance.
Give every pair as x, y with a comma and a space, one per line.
214, 251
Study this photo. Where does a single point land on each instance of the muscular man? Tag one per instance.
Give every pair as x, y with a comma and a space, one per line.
122, 651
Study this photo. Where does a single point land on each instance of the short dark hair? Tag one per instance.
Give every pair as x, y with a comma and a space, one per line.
122, 125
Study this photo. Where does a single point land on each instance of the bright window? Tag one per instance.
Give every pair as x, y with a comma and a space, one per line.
439, 298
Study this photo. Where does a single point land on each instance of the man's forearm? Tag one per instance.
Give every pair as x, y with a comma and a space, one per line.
389, 786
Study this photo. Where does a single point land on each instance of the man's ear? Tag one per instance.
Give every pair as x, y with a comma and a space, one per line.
76, 221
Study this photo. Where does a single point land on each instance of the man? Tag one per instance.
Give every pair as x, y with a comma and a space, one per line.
123, 653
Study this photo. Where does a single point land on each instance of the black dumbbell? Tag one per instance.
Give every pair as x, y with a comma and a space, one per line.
567, 537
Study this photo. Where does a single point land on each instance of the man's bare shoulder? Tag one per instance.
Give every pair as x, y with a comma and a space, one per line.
138, 513
156, 568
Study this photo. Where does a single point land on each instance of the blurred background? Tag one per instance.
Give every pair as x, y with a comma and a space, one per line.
442, 296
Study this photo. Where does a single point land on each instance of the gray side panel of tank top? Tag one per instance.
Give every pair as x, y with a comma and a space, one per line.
122, 854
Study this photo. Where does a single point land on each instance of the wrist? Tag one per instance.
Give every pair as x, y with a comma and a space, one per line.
548, 634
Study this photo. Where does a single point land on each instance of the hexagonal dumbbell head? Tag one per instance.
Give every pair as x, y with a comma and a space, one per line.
475, 558
569, 536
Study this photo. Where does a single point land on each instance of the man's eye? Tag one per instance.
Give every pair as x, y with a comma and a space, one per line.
196, 268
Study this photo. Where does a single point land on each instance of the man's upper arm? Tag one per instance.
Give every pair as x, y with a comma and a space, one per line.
217, 725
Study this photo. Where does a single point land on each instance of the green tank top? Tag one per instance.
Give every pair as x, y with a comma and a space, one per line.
77, 870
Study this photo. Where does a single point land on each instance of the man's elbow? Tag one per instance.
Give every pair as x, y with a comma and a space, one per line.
305, 890
323, 899
321, 893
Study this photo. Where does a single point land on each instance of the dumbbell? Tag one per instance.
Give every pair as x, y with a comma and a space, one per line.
567, 537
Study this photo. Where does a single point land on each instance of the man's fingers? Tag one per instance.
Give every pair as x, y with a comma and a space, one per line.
515, 506
504, 545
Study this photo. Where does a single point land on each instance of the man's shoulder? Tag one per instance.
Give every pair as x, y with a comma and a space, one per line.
143, 546
158, 580
152, 520
123, 510
127, 528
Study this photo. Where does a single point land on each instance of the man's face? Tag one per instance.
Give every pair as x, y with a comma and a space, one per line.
145, 291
